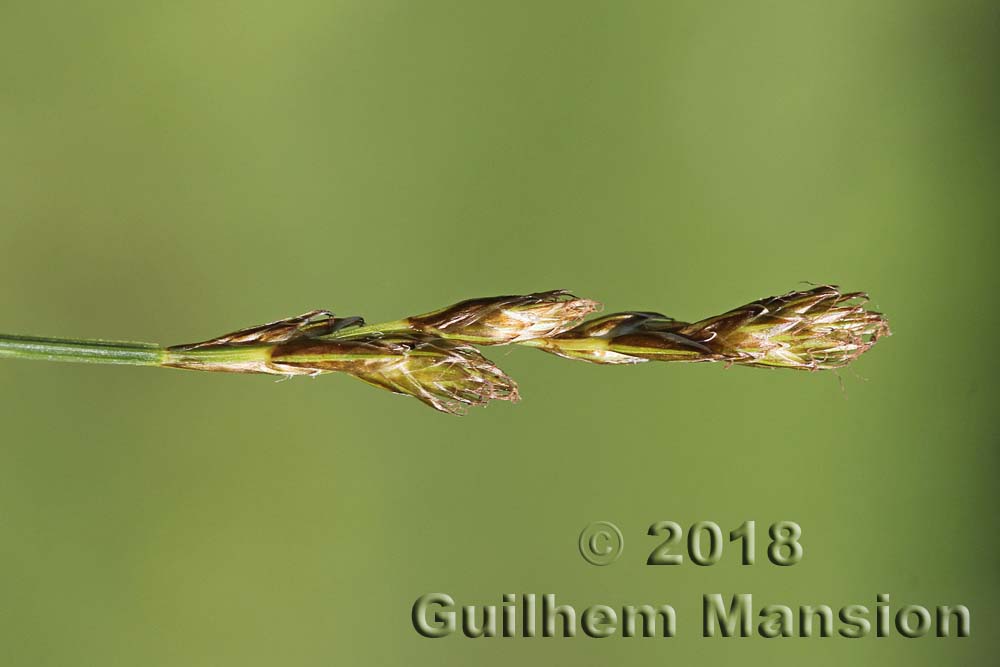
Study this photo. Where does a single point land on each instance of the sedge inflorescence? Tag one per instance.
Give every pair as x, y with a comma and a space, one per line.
431, 356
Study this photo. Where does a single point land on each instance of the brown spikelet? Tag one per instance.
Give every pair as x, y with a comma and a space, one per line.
506, 319
446, 376
312, 323
817, 329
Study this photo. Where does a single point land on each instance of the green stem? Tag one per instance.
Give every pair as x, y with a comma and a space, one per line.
83, 351
395, 326
216, 358
404, 326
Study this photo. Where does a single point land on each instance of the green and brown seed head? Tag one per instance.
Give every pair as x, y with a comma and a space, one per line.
816, 329
445, 375
429, 357
506, 319
625, 338
313, 323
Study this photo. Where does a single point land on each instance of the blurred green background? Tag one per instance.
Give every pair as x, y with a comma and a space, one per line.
173, 171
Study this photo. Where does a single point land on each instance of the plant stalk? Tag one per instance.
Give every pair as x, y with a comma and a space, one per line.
396, 326
81, 350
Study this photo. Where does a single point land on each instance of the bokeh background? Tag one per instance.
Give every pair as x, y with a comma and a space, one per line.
172, 171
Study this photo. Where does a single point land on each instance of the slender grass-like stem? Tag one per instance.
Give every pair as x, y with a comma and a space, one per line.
236, 357
396, 326
81, 350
